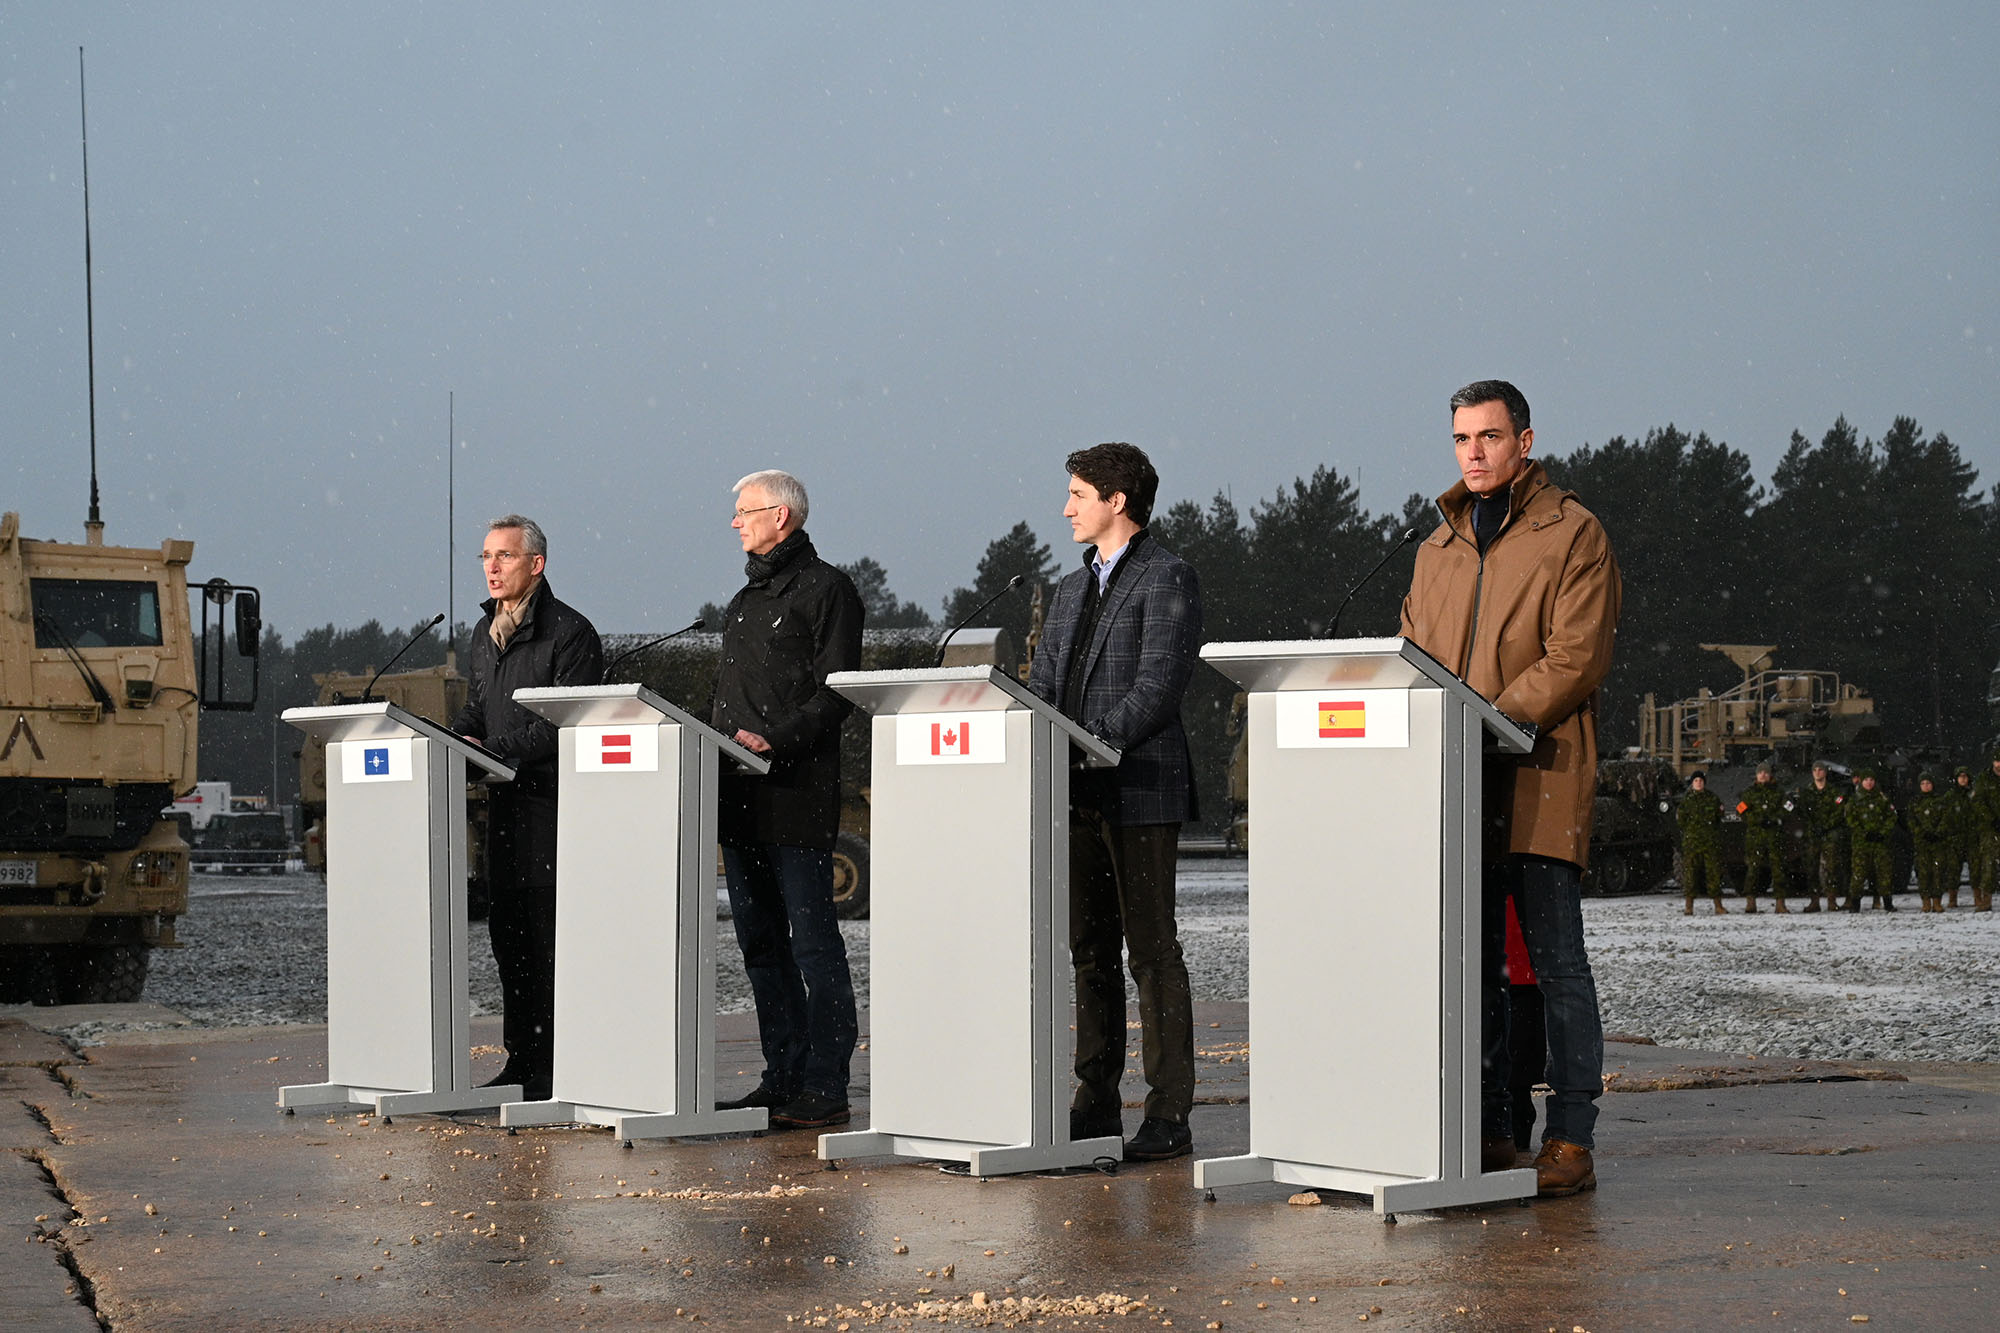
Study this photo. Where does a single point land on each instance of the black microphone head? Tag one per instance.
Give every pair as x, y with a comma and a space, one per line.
436, 620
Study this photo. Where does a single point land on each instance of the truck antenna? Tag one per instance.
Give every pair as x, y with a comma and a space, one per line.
93, 526
450, 527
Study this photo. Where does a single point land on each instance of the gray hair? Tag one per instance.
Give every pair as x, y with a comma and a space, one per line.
532, 536
782, 487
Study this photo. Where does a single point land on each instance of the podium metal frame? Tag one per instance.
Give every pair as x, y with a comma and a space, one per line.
971, 992
398, 1014
635, 916
1365, 889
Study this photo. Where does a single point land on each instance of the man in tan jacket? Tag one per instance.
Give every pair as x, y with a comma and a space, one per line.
1517, 592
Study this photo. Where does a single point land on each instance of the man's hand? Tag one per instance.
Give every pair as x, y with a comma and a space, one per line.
752, 742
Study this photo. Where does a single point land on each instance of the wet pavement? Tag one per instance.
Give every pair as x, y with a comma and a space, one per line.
151, 1183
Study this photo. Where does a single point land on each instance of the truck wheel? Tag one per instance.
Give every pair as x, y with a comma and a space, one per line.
101, 973
1610, 876
850, 877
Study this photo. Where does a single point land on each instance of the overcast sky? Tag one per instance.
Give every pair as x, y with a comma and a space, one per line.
918, 253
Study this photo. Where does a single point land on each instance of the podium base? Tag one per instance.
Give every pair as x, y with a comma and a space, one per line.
627, 1124
1392, 1194
396, 1101
983, 1159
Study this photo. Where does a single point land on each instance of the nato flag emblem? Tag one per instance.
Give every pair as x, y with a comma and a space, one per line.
375, 762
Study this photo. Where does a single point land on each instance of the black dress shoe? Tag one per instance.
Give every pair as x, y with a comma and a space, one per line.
1158, 1140
1095, 1125
761, 1095
811, 1110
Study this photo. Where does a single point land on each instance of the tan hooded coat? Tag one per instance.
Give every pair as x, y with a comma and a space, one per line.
1530, 626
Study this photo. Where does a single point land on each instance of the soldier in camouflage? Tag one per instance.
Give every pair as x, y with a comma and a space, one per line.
1933, 820
1763, 811
1986, 823
1963, 858
1871, 822
1819, 805
1700, 818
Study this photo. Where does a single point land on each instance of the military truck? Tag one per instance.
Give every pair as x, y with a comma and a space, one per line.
102, 679
1788, 717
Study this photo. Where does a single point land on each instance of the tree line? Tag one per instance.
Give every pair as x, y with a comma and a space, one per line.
1873, 558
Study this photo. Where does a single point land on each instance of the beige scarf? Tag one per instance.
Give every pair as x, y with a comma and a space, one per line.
505, 622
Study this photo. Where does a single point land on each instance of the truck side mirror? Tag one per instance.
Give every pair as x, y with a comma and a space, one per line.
249, 623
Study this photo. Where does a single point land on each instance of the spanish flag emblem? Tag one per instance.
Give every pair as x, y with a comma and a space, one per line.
1343, 720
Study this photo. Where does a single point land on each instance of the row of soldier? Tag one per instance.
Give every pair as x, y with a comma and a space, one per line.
1848, 829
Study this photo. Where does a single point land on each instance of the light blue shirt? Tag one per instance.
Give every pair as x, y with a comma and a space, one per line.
1102, 567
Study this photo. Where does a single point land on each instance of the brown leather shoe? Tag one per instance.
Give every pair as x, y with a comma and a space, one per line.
1562, 1168
1498, 1153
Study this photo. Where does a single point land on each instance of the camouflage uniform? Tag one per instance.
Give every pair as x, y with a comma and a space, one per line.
1986, 823
1763, 811
1700, 818
1963, 862
1821, 809
1933, 818
1871, 822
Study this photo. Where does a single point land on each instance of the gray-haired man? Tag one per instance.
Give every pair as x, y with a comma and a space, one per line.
525, 638
796, 621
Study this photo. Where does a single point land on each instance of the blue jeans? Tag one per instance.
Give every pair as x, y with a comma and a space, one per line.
1548, 899
781, 899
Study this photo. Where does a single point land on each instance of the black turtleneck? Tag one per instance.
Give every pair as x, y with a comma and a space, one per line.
1489, 512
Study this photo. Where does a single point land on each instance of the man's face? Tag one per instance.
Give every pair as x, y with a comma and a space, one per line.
1964, 779
1763, 777
1490, 454
1698, 784
759, 522
1819, 775
510, 570
1925, 785
1868, 783
1090, 517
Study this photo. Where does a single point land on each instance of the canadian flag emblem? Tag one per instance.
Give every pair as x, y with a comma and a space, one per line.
954, 739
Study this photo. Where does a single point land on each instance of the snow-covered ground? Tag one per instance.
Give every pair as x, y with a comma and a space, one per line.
1873, 986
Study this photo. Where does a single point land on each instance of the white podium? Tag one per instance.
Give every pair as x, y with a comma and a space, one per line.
398, 1025
635, 916
1365, 875
970, 998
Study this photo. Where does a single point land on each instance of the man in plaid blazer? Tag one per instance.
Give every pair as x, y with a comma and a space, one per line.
1118, 647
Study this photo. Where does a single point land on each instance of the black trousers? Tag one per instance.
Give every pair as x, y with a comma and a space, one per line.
1121, 902
521, 862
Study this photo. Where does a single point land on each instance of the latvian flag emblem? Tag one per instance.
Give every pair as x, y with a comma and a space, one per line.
1343, 720
615, 747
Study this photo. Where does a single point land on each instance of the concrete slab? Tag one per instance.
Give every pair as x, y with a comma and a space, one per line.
1731, 1192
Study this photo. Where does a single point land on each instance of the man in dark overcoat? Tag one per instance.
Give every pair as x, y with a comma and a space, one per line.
526, 638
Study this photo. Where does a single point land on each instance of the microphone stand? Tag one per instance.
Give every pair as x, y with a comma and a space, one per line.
1410, 534
653, 643
368, 695
1012, 584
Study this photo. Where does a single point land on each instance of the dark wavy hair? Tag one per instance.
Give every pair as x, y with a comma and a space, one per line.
1494, 391
1112, 468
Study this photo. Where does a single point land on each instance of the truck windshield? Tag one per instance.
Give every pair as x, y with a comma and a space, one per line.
96, 613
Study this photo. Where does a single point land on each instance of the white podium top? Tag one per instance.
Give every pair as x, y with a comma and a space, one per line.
967, 689
1354, 664
627, 703
382, 720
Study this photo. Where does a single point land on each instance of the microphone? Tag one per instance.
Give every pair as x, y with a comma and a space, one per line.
368, 695
1410, 534
654, 643
1012, 584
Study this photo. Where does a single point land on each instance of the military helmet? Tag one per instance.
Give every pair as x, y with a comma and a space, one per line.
1866, 774
1961, 772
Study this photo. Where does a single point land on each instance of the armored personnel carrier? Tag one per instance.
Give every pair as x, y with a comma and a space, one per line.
102, 679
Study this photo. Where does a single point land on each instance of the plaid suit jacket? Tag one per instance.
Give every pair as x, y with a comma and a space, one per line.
1135, 670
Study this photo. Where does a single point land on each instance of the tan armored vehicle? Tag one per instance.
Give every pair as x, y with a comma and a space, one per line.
102, 678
